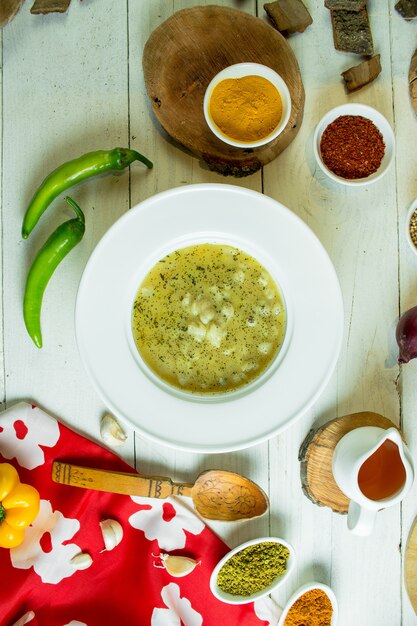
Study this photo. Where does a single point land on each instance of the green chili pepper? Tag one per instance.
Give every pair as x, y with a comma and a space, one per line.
73, 172
62, 241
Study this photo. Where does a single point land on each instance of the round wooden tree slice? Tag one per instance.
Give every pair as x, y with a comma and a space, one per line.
181, 57
410, 566
316, 454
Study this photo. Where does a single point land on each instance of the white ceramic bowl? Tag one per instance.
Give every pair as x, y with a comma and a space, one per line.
380, 122
411, 210
239, 70
301, 591
229, 598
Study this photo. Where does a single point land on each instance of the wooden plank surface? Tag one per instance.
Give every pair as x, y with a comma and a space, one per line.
72, 83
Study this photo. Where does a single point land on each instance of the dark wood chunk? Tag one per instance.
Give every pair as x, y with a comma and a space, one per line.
345, 5
407, 8
50, 6
352, 32
288, 16
412, 80
362, 74
8, 9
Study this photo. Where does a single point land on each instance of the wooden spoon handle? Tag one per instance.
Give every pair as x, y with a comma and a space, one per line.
117, 482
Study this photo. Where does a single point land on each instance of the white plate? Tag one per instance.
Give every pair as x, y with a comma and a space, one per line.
278, 239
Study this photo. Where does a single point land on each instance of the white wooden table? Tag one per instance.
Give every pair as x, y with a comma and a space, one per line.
73, 83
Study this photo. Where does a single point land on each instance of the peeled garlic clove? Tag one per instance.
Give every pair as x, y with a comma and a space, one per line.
81, 561
111, 431
112, 533
178, 566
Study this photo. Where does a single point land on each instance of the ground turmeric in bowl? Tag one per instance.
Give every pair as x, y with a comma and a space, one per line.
313, 608
246, 109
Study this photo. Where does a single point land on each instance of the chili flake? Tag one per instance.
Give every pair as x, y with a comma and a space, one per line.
352, 147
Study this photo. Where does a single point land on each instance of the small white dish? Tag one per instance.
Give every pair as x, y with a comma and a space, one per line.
411, 211
229, 598
304, 589
380, 122
239, 70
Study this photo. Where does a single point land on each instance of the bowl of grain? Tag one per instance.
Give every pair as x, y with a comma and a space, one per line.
411, 226
252, 570
354, 144
247, 105
313, 603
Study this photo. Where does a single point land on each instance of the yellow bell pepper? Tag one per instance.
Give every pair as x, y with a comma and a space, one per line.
19, 505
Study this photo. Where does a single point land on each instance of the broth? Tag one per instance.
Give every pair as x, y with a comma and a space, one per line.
208, 319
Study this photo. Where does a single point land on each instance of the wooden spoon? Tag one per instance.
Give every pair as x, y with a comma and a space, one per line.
217, 494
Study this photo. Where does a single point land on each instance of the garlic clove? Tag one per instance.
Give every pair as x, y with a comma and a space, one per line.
111, 432
112, 533
82, 560
178, 566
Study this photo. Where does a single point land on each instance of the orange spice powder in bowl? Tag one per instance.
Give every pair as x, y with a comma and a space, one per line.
247, 105
314, 604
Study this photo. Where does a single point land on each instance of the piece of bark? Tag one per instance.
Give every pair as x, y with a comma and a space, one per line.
412, 80
407, 9
345, 5
8, 9
49, 6
360, 75
352, 32
288, 16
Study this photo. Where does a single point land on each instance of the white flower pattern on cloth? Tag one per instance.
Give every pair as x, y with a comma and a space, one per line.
51, 565
23, 429
75, 623
179, 610
267, 610
165, 522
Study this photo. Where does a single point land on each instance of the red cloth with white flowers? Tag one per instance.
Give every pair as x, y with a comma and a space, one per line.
40, 587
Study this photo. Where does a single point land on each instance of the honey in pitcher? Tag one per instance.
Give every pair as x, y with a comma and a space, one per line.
383, 474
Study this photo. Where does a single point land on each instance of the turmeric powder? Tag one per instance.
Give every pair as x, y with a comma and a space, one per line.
313, 608
246, 109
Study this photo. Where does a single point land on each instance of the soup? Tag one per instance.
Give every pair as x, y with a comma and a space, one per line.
208, 319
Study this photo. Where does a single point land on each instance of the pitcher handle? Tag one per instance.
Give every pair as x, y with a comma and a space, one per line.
361, 521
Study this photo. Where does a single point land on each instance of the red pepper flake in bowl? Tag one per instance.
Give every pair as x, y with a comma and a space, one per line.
352, 147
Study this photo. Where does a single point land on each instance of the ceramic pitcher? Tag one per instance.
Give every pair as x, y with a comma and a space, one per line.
352, 451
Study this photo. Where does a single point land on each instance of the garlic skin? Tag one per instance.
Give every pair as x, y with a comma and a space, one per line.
112, 533
82, 560
111, 432
178, 566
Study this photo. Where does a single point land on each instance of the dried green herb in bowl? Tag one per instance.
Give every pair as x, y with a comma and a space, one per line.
252, 570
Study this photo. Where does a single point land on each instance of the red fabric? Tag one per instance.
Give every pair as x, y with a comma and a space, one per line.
122, 586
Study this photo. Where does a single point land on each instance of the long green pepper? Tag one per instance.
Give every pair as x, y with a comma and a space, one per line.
59, 244
73, 172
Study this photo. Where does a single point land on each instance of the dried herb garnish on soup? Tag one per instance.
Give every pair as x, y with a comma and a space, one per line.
352, 147
208, 319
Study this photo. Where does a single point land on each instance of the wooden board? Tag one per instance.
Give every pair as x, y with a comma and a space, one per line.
316, 454
181, 57
410, 566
